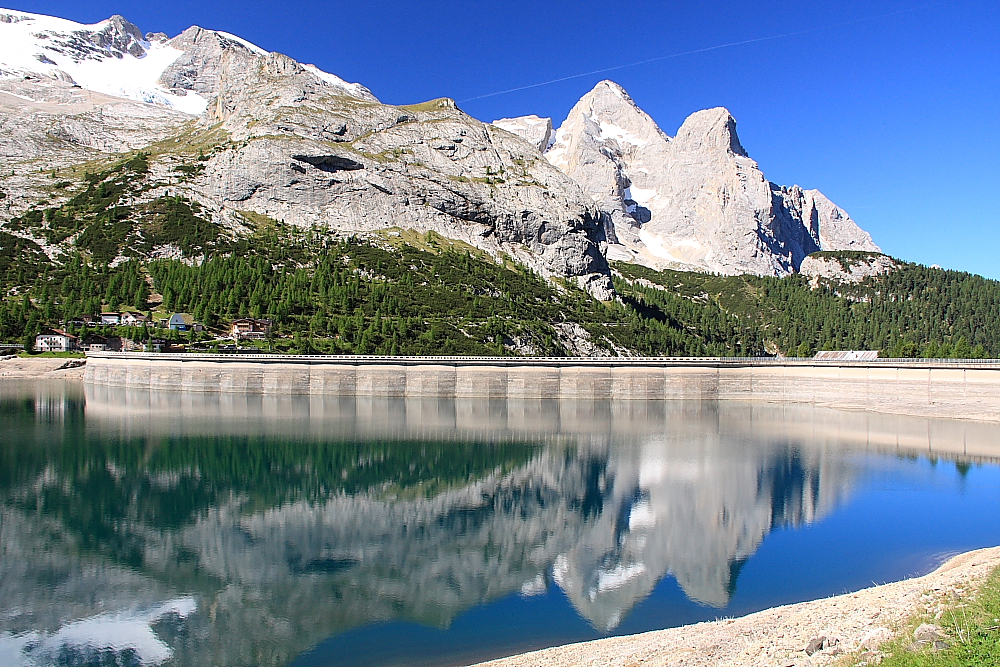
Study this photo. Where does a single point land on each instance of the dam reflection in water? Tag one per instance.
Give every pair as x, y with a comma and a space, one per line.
187, 529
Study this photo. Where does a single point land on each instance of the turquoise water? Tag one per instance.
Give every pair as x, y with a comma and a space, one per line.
184, 529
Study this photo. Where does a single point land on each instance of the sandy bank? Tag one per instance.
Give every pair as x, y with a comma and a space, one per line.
778, 637
42, 368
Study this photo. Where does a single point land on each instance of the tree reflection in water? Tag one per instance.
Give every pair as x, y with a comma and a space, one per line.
230, 530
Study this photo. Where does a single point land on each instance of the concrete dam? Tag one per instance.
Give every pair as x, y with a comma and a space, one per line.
940, 388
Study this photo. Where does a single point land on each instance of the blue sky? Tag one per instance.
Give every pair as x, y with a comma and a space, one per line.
890, 108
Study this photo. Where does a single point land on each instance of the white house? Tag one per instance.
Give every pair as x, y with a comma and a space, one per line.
113, 319
134, 320
55, 340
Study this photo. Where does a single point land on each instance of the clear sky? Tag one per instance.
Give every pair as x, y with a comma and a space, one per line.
891, 108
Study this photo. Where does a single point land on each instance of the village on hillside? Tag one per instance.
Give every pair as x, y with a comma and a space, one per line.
135, 332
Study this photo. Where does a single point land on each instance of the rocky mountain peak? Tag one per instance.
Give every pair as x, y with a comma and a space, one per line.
121, 35
608, 90
709, 131
617, 116
610, 147
697, 201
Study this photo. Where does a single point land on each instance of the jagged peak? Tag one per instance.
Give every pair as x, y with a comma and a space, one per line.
610, 112
713, 128
607, 86
198, 35
123, 26
607, 94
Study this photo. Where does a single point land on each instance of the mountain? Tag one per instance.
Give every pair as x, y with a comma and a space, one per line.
203, 174
694, 201
241, 133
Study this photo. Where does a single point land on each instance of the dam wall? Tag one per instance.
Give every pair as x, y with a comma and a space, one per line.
968, 390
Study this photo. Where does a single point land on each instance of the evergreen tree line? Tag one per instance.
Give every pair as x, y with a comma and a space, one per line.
349, 296
911, 312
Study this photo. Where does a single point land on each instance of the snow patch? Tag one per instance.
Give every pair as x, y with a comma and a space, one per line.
116, 632
352, 89
641, 516
534, 587
556, 154
619, 134
239, 40
611, 579
37, 46
657, 248
640, 195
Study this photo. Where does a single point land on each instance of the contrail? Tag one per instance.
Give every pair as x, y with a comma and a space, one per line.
694, 51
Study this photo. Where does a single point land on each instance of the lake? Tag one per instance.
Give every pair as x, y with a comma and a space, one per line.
143, 528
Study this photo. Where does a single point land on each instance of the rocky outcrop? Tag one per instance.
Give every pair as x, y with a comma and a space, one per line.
847, 267
428, 167
694, 201
58, 124
532, 129
51, 124
210, 59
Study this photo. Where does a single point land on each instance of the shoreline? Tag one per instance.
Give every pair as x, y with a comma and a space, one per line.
43, 368
853, 623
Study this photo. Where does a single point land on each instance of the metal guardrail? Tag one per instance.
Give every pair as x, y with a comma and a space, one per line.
550, 361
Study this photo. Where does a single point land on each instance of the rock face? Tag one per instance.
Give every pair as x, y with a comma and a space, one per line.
297, 144
694, 201
307, 153
850, 268
532, 129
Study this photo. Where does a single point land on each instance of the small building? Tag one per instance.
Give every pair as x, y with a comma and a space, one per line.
101, 344
249, 328
93, 343
183, 322
55, 340
155, 345
112, 319
134, 320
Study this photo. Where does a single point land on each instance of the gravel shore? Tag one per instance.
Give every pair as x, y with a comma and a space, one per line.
42, 368
852, 623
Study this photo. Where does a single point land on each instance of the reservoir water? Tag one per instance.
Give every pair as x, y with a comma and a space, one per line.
141, 528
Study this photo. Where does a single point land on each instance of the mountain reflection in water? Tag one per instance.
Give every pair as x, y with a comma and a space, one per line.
192, 529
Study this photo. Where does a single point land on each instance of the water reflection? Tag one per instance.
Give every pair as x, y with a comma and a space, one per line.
151, 528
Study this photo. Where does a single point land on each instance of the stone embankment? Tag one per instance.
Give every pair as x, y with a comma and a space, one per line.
808, 634
968, 390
